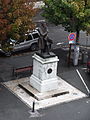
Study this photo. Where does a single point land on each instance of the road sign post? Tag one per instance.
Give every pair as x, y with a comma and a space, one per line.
71, 39
76, 55
69, 55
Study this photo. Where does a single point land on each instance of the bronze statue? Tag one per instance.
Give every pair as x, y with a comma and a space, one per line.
44, 41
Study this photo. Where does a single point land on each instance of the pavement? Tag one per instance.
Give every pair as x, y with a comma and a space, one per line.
12, 108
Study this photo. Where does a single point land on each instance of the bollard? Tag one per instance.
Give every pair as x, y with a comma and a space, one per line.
33, 107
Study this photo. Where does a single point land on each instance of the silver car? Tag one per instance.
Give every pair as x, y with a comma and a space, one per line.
31, 42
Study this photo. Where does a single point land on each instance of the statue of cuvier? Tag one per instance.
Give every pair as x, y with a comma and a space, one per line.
44, 41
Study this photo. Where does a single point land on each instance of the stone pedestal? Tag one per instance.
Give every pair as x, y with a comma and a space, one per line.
44, 77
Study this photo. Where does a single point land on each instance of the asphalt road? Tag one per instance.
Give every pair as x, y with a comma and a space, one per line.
76, 110
11, 108
74, 79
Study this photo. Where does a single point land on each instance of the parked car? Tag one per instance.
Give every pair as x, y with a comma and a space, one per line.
31, 42
1, 51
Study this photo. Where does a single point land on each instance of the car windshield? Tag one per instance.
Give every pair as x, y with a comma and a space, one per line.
12, 40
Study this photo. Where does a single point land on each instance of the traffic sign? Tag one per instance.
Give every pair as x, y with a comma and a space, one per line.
71, 38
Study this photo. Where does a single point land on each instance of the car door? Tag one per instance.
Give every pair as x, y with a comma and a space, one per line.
35, 37
32, 39
28, 41
19, 46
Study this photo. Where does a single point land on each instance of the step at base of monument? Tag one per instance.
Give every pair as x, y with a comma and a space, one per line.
45, 99
41, 96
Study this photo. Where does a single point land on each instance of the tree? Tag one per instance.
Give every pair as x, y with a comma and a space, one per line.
74, 15
15, 18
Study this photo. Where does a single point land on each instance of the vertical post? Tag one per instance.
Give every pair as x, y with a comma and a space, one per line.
33, 106
69, 56
76, 54
86, 40
13, 72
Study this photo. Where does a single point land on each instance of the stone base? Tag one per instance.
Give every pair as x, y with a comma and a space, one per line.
44, 77
45, 55
44, 95
28, 94
43, 86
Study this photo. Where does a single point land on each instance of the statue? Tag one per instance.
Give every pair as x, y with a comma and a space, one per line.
44, 41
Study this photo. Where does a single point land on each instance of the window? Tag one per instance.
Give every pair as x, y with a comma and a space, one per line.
35, 35
29, 38
21, 41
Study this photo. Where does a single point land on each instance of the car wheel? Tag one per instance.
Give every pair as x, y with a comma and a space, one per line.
34, 47
8, 54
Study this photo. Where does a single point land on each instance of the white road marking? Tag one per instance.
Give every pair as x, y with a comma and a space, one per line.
84, 68
60, 43
83, 80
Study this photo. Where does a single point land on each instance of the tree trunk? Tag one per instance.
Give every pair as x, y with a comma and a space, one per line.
77, 36
85, 2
